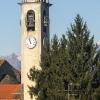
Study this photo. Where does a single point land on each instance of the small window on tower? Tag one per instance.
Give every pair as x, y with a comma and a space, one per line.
45, 21
30, 20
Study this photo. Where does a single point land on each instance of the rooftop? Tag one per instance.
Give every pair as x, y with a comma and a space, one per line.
2, 61
10, 91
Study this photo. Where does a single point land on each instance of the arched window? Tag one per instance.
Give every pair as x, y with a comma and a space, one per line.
45, 21
30, 20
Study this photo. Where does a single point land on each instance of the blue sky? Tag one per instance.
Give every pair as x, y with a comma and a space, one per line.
62, 14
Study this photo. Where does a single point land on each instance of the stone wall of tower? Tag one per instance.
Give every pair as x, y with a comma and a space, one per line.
45, 34
30, 57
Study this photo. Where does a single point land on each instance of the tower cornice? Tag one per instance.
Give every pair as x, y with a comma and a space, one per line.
35, 1
22, 3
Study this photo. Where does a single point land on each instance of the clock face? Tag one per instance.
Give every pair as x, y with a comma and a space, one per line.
31, 42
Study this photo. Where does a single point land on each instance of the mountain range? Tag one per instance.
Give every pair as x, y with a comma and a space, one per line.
14, 60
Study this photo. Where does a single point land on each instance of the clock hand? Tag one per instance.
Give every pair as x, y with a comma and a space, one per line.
29, 40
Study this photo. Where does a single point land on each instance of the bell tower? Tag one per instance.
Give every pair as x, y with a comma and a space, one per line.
34, 37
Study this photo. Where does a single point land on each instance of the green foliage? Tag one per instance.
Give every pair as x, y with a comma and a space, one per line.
72, 59
51, 79
80, 49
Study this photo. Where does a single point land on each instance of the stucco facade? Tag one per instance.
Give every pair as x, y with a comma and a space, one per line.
32, 57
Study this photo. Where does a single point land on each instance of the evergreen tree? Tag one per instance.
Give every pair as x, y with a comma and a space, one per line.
49, 80
81, 49
82, 57
70, 60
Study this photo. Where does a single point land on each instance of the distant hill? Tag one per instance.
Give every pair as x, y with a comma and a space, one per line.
8, 74
14, 60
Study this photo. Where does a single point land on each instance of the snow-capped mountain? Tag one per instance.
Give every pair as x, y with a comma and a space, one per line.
98, 44
14, 60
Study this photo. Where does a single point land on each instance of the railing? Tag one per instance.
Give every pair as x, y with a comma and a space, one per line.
66, 95
25, 1
72, 93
